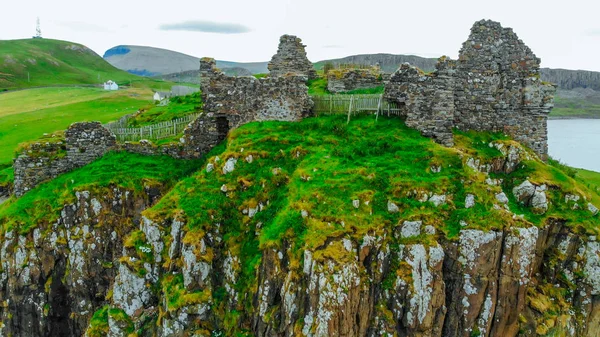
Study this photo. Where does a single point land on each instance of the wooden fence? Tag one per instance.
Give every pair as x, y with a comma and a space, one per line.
352, 104
323, 105
151, 132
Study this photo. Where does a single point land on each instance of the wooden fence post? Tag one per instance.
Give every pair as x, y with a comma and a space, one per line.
350, 108
378, 106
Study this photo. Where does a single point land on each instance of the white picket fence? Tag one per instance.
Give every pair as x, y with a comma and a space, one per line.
151, 132
352, 104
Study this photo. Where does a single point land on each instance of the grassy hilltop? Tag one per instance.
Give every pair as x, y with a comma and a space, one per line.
54, 62
303, 179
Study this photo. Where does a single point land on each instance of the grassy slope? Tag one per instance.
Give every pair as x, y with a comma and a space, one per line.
28, 114
60, 63
178, 107
127, 170
589, 177
53, 62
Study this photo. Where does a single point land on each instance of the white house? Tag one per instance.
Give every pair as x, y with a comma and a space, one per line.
110, 85
162, 97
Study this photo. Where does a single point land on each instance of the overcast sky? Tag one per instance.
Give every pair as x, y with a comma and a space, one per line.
564, 34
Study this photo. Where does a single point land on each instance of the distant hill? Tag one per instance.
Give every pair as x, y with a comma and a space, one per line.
53, 62
571, 79
150, 61
193, 76
388, 62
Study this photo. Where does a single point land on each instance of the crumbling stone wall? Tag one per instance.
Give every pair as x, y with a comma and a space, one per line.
340, 80
426, 101
41, 161
245, 99
494, 86
291, 58
88, 141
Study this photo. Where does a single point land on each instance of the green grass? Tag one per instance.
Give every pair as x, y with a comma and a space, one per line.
7, 175
323, 164
319, 87
42, 205
178, 107
589, 177
52, 62
28, 114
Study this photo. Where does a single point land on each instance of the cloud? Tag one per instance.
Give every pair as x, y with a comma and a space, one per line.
207, 27
332, 46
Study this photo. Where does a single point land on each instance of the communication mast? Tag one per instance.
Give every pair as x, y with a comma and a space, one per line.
38, 30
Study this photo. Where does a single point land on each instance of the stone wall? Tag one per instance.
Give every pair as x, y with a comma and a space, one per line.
86, 142
41, 161
426, 101
493, 86
291, 58
340, 80
245, 99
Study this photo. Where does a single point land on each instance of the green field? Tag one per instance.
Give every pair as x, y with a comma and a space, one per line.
28, 114
178, 107
589, 177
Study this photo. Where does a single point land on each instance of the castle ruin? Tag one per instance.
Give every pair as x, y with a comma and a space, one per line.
493, 86
244, 99
291, 59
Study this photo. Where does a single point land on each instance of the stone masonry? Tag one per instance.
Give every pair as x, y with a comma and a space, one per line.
41, 161
493, 86
244, 99
426, 101
340, 80
291, 58
85, 142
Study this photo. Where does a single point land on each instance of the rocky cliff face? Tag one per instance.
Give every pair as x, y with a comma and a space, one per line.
465, 244
571, 79
54, 277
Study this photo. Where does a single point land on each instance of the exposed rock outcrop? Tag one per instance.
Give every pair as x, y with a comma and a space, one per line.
54, 278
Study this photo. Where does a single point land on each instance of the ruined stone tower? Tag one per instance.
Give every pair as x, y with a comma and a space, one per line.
493, 86
291, 58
